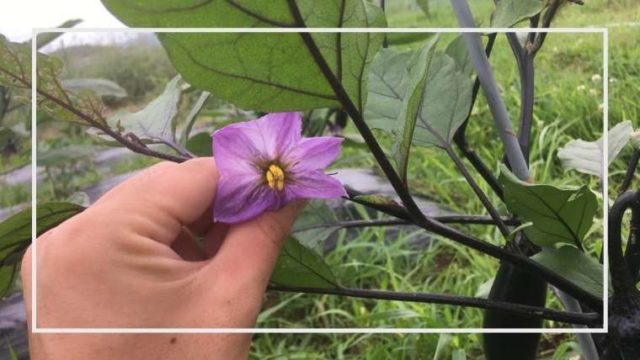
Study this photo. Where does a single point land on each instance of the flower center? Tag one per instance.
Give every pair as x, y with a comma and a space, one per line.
275, 177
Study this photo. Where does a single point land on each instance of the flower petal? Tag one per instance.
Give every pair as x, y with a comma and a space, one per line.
237, 149
314, 153
280, 132
313, 185
242, 199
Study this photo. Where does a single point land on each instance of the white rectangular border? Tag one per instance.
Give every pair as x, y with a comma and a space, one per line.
605, 77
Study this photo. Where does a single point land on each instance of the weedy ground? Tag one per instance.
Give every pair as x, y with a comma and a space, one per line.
568, 105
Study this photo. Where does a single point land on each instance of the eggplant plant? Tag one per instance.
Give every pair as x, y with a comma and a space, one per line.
422, 97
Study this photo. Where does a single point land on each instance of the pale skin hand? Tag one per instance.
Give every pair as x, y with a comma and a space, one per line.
128, 261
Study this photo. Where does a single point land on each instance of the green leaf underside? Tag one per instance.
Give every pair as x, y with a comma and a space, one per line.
299, 266
154, 123
15, 71
314, 225
55, 100
573, 265
586, 156
15, 235
425, 89
15, 64
457, 50
557, 215
445, 105
417, 74
265, 72
511, 12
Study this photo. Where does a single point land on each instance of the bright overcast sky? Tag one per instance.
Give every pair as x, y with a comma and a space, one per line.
18, 17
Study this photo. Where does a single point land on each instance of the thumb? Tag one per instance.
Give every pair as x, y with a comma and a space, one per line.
249, 252
159, 201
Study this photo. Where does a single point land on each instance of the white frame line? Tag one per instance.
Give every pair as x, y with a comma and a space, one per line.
35, 329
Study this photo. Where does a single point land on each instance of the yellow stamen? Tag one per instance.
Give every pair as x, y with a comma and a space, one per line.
275, 177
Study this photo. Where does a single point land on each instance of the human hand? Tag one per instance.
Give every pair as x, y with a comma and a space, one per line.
129, 261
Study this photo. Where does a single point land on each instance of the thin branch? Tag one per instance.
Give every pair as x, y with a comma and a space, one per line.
527, 88
175, 147
461, 139
631, 171
524, 60
632, 253
534, 21
357, 224
621, 277
133, 146
479, 193
448, 219
474, 219
548, 16
491, 91
481, 303
495, 251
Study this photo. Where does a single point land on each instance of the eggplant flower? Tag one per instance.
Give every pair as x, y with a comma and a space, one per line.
265, 163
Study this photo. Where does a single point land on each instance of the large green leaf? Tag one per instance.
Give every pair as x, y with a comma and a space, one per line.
445, 98
17, 228
315, 224
511, 12
15, 64
457, 50
15, 67
55, 100
586, 156
156, 122
573, 265
446, 103
557, 215
265, 71
299, 266
387, 88
417, 74
15, 235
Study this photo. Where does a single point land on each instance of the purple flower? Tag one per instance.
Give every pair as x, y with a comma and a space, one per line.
265, 164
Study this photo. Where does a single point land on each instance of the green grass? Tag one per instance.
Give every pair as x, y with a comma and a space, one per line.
595, 13
624, 88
